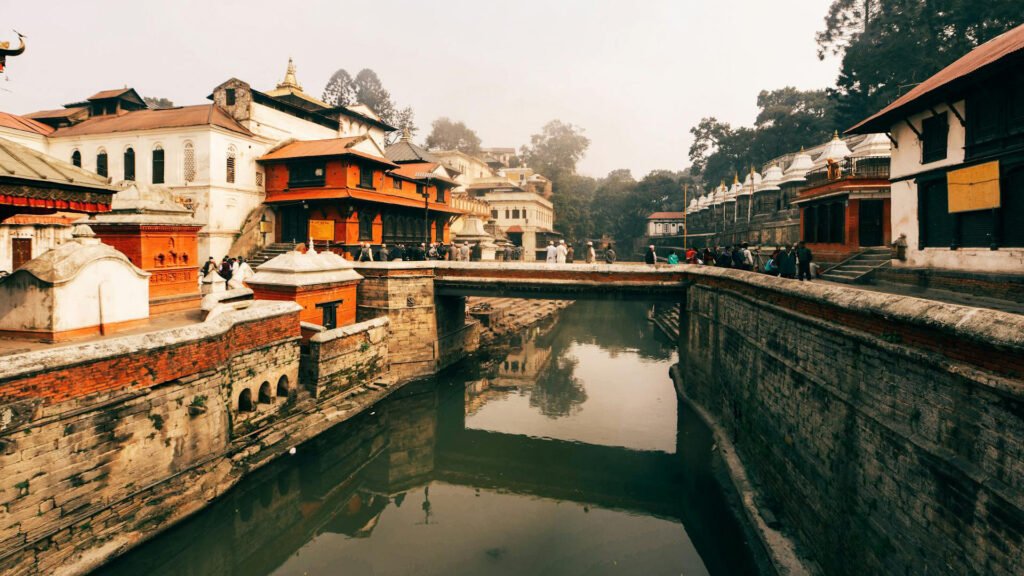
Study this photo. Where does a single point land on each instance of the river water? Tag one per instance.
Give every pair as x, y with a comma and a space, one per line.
564, 452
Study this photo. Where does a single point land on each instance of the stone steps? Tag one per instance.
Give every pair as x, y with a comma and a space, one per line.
858, 269
270, 251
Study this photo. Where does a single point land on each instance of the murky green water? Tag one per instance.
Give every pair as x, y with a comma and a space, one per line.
567, 454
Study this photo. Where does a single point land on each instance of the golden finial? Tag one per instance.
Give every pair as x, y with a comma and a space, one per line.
835, 134
736, 178
289, 77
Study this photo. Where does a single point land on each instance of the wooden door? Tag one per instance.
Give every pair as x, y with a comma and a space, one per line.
871, 229
21, 252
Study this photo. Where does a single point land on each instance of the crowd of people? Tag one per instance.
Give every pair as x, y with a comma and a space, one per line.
416, 252
562, 253
230, 270
789, 261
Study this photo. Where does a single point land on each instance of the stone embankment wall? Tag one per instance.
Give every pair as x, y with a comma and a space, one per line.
426, 332
886, 433
104, 444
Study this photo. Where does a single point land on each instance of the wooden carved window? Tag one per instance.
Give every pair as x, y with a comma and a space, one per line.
230, 168
158, 165
129, 164
190, 162
101, 163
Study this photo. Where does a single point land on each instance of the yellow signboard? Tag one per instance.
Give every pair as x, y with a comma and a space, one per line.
266, 227
973, 188
321, 229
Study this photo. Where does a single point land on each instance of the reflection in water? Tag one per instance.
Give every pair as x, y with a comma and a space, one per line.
552, 460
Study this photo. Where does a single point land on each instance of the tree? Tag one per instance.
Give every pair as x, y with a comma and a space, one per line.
157, 103
404, 121
446, 134
340, 89
889, 46
367, 89
787, 119
556, 150
572, 200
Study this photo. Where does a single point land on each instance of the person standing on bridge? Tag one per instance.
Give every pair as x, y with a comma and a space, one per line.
609, 254
569, 254
560, 252
787, 262
365, 253
651, 257
804, 258
591, 256
552, 252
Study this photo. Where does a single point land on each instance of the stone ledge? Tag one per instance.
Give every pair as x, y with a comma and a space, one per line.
351, 330
21, 365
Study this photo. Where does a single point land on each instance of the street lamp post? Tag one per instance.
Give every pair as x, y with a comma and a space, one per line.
426, 206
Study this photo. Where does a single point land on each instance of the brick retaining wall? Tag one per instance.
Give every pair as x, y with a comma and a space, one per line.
886, 432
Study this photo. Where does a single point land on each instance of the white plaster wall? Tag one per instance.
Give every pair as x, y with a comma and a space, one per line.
44, 237
105, 291
906, 161
278, 126
539, 212
31, 140
26, 304
906, 158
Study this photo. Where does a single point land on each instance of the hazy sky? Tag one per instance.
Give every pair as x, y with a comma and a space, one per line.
635, 74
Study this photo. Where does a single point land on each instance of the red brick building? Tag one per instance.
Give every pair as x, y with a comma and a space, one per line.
845, 206
342, 192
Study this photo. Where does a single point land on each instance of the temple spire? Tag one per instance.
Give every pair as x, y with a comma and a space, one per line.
289, 78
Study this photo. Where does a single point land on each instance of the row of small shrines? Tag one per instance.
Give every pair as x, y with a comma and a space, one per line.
937, 175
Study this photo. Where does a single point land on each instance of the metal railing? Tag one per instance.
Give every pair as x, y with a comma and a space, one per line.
867, 167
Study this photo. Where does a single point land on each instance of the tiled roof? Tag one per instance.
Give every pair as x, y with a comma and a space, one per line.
946, 79
17, 161
411, 170
41, 219
24, 124
200, 115
58, 113
104, 94
666, 216
322, 148
405, 151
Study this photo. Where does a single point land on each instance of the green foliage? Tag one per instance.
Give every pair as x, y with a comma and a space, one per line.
889, 46
198, 401
340, 89
787, 119
157, 420
366, 88
556, 150
446, 134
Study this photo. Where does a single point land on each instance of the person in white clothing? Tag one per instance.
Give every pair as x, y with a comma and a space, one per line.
560, 252
552, 252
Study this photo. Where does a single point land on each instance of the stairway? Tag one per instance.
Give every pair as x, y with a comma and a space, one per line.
858, 268
269, 251
666, 319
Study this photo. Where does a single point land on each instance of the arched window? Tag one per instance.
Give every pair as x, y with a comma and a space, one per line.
245, 401
231, 165
129, 164
158, 165
265, 397
101, 162
190, 162
282, 386
76, 158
